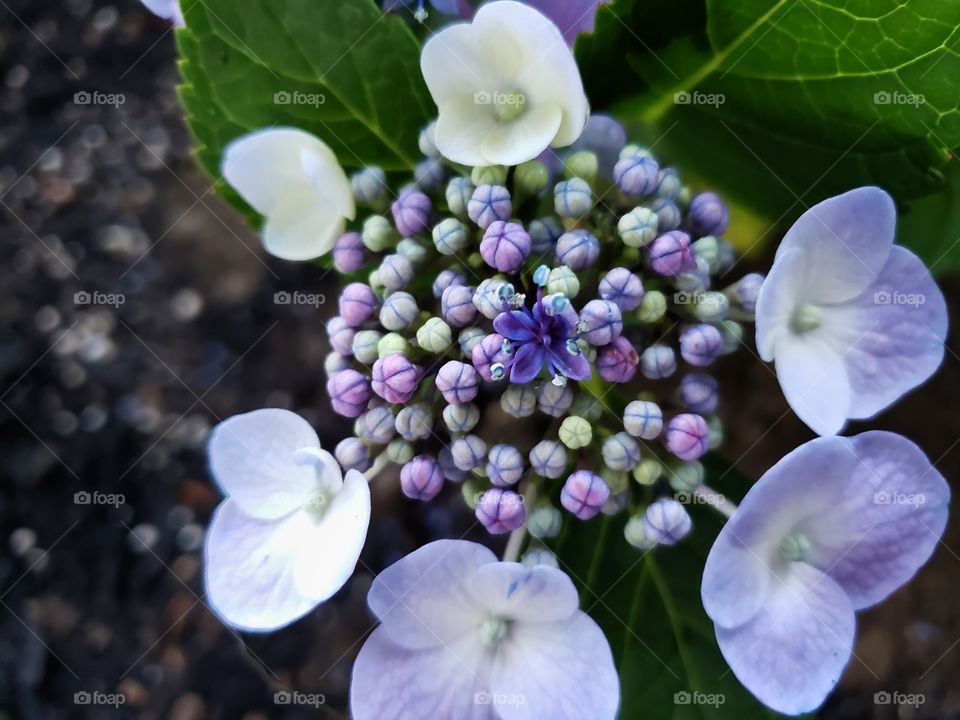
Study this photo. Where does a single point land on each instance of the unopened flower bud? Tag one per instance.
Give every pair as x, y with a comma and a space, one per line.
335, 362
707, 249
469, 338
602, 322
575, 432
487, 297
584, 494
395, 379
369, 187
539, 556
668, 214
392, 344
365, 344
670, 254
468, 452
578, 249
399, 311
707, 214
643, 419
618, 481
701, 344
340, 334
572, 198
457, 382
348, 253
634, 150
658, 362
352, 454
357, 303
638, 228
637, 175
666, 522
623, 288
500, 511
543, 235
621, 452
544, 522
617, 362
563, 281
488, 204
686, 477
732, 335
411, 212
349, 392
429, 174
652, 308
668, 184
446, 278
505, 246
487, 355
376, 425
421, 478
461, 418
687, 436
583, 164
378, 234
554, 400
451, 472
747, 291
698, 393
412, 250
531, 177
449, 237
712, 306
519, 400
434, 335
635, 534
715, 428
414, 422
488, 175
648, 471
548, 459
399, 451
504, 465
458, 193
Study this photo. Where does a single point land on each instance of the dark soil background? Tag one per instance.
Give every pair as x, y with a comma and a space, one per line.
107, 598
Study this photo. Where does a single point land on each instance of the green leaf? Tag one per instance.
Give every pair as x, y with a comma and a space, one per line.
787, 101
648, 605
341, 69
931, 225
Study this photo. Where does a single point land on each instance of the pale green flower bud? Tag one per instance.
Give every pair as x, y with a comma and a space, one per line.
399, 451
365, 346
392, 344
707, 248
648, 471
686, 477
575, 432
633, 150
488, 175
461, 418
715, 431
635, 534
471, 489
434, 335
531, 177
582, 165
544, 522
732, 332
378, 234
617, 480
563, 281
540, 556
519, 400
638, 228
652, 308
711, 306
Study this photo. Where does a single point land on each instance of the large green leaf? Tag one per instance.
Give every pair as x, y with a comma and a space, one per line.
648, 605
341, 69
810, 97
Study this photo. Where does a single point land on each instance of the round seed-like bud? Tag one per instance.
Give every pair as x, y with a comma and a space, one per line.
414, 422
554, 400
707, 249
732, 335
378, 233
584, 494
635, 534
637, 176
369, 187
450, 471
638, 228
435, 335
666, 522
618, 481
352, 454
488, 175
457, 382
335, 362
340, 335
617, 362
399, 451
395, 379
652, 308
519, 400
634, 150
668, 214
488, 357
698, 393
544, 522
449, 237
701, 344
468, 452
531, 177
643, 419
461, 418
548, 459
348, 253
399, 311
349, 392
685, 478
575, 432
421, 478
603, 322
412, 250
572, 198
469, 338
446, 278
487, 297
715, 427
578, 249
429, 174
747, 291
658, 362
712, 306
543, 235
488, 204
623, 288
411, 212
707, 214
563, 281
670, 254
395, 272
376, 425
648, 471
500, 511
668, 184
505, 246
621, 452
687, 436
458, 193
357, 303
392, 344
427, 140
504, 465
583, 164
539, 556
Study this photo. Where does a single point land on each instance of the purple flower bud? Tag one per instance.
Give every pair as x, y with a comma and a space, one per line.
349, 392
352, 454
602, 321
504, 465
666, 522
468, 452
668, 214
637, 175
411, 212
488, 204
340, 335
577, 249
446, 278
486, 355
584, 494
457, 381
348, 253
621, 452
617, 362
543, 234
548, 458
376, 425
357, 303
421, 478
414, 422
500, 511
457, 305
658, 362
698, 393
670, 254
701, 344
687, 436
622, 287
399, 311
572, 198
707, 214
449, 469
505, 246
554, 400
395, 379
747, 291
395, 272
643, 419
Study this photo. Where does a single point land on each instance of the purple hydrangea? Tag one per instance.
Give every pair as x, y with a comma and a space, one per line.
637, 175
488, 357
584, 494
348, 255
500, 511
699, 393
687, 436
548, 458
666, 522
707, 214
701, 344
488, 204
421, 478
658, 362
395, 378
357, 303
623, 288
617, 362
411, 212
457, 382
456, 305
504, 465
349, 392
340, 334
505, 246
602, 322
670, 254
446, 278
577, 249
352, 454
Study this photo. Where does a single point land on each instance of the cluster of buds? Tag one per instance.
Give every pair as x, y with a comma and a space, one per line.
588, 289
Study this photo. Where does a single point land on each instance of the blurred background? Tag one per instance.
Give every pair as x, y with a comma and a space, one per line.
137, 311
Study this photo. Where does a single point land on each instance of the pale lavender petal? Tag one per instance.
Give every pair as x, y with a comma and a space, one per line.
527, 363
792, 653
779, 296
814, 380
512, 590
735, 581
571, 16
391, 682
423, 599
558, 670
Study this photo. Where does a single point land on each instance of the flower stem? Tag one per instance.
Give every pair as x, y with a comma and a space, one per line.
716, 500
379, 463
512, 552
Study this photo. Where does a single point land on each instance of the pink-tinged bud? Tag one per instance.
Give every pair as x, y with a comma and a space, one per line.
603, 322
670, 254
488, 357
617, 362
666, 522
349, 392
357, 303
395, 378
348, 253
687, 436
421, 478
457, 381
500, 511
584, 494
505, 246
701, 344
622, 287
340, 335
411, 212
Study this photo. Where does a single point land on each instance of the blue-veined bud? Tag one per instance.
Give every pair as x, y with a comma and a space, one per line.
469, 338
711, 306
458, 193
638, 228
488, 175
732, 332
505, 245
412, 250
601, 321
584, 493
544, 522
449, 236
701, 345
376, 425
365, 346
487, 298
531, 177
519, 400
539, 556
575, 432
500, 511
572, 198
563, 281
747, 290
623, 288
488, 204
434, 335
392, 344
687, 436
543, 235
461, 418
670, 254
421, 478
399, 451
399, 311
426, 140
685, 477
378, 234
648, 471
695, 279
635, 534
468, 452
446, 278
370, 187
658, 362
411, 212
699, 393
668, 214
652, 308
374, 282
352, 454
554, 400
548, 458
583, 164
452, 473
334, 362
457, 382
395, 272
488, 357
707, 248
707, 214
395, 379
666, 522
621, 452
340, 334
348, 255
643, 419
429, 174
617, 362
668, 184
586, 406
504, 465
349, 392
634, 150
636, 176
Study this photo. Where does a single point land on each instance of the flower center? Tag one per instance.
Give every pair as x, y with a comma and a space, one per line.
494, 630
805, 318
508, 105
795, 547
316, 503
